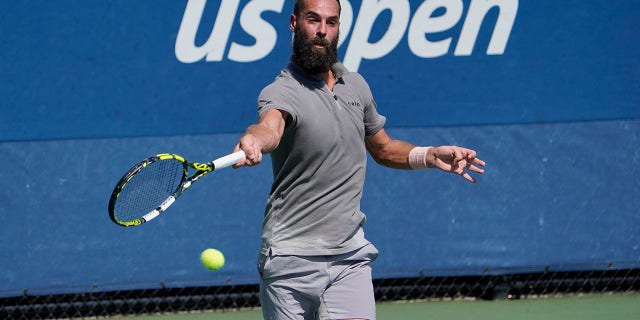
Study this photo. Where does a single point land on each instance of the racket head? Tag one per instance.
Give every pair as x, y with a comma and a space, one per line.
147, 189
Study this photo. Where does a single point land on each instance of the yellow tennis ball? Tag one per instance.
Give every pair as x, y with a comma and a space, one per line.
212, 259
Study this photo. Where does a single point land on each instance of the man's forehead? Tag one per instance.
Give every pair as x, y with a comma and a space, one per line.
325, 7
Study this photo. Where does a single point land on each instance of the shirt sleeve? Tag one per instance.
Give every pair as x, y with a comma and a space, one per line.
373, 121
275, 96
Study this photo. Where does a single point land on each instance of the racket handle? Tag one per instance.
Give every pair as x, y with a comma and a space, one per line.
227, 160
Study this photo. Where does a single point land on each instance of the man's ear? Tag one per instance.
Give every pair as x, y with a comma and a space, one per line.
292, 22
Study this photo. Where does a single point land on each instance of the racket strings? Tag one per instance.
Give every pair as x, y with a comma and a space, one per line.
148, 188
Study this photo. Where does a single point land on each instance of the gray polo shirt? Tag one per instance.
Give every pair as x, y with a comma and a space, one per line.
319, 165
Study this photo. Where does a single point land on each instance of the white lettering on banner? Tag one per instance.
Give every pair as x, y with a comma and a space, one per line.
250, 21
359, 45
424, 23
358, 48
477, 11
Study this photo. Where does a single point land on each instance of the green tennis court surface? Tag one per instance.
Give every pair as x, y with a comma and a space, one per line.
589, 307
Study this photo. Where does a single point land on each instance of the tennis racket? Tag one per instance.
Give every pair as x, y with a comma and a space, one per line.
153, 185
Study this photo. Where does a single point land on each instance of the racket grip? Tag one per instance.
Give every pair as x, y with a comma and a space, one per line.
228, 160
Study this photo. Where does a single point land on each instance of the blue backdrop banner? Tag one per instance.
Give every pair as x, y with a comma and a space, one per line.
157, 67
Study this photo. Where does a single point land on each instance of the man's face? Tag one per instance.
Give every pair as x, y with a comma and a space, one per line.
316, 29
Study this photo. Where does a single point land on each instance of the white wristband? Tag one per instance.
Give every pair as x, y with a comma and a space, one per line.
418, 158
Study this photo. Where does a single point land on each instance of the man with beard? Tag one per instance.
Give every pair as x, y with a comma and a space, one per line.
318, 120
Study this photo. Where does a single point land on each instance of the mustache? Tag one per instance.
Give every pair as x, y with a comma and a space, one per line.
319, 41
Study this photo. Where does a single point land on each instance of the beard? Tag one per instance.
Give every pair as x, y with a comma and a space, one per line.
311, 59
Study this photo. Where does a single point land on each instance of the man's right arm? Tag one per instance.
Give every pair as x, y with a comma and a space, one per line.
262, 137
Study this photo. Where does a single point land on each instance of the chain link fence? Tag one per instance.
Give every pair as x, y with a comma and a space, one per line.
236, 297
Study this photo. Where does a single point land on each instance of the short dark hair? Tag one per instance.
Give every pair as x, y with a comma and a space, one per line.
299, 5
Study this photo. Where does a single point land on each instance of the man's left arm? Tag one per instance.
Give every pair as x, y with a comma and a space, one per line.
399, 154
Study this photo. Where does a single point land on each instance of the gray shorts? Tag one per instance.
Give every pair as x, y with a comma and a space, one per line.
318, 287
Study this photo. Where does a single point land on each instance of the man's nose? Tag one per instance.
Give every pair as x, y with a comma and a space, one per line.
322, 30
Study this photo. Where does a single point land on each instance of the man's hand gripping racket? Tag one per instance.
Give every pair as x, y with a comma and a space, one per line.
153, 185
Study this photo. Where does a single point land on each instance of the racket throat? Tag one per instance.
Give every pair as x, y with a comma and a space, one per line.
156, 212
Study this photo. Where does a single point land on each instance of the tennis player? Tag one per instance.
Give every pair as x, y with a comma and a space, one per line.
318, 120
